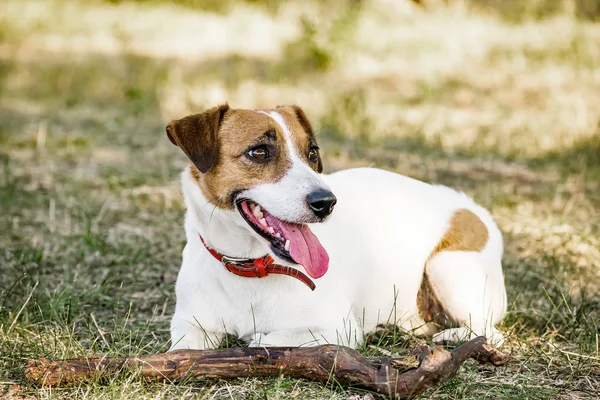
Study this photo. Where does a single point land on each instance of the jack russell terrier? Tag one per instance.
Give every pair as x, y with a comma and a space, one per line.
260, 213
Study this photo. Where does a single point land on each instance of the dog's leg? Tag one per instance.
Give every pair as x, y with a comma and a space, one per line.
301, 338
470, 288
350, 334
457, 335
423, 329
190, 335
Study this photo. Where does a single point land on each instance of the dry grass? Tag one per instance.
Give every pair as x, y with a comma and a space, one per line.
91, 214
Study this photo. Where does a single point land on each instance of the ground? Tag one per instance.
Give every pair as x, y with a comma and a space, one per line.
504, 108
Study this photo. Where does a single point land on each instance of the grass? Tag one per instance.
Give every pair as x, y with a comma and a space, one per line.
505, 109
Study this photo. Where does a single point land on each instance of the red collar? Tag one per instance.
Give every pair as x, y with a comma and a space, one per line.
257, 267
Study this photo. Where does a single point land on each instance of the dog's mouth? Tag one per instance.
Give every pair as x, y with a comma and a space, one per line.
292, 242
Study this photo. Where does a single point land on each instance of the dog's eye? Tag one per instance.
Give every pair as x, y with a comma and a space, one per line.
259, 153
313, 154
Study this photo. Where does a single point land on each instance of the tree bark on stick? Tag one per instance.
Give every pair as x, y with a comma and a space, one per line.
392, 377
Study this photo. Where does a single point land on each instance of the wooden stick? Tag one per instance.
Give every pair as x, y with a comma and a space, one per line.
393, 377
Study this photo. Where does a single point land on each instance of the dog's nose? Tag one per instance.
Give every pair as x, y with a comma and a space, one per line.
321, 202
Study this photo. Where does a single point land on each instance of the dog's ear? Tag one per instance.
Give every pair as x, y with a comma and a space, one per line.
197, 136
303, 120
308, 128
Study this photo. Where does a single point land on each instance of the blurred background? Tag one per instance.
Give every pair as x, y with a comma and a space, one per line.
498, 98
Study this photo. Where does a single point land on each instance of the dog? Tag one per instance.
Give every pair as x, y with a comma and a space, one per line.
264, 226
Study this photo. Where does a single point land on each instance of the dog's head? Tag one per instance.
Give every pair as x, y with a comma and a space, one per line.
264, 165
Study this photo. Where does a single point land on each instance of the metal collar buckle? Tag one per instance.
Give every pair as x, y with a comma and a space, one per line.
240, 262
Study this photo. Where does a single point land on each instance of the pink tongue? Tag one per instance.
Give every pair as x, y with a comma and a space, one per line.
305, 248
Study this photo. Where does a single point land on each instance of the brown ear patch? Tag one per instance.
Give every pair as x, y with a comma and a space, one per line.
466, 233
303, 120
197, 135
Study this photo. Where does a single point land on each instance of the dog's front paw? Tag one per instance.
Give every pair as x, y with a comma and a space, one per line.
496, 338
457, 335
278, 339
286, 339
257, 340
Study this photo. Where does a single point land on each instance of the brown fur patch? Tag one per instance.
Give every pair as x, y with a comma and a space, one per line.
233, 171
238, 132
430, 308
466, 233
302, 133
197, 136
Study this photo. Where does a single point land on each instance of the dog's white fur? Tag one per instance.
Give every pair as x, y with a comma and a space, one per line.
379, 239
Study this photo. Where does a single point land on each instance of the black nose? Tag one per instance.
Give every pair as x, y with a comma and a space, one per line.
321, 202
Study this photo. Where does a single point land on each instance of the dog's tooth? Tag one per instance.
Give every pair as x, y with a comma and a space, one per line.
259, 214
287, 245
278, 235
258, 207
263, 222
271, 230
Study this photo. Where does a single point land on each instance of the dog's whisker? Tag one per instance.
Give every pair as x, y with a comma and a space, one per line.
219, 202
